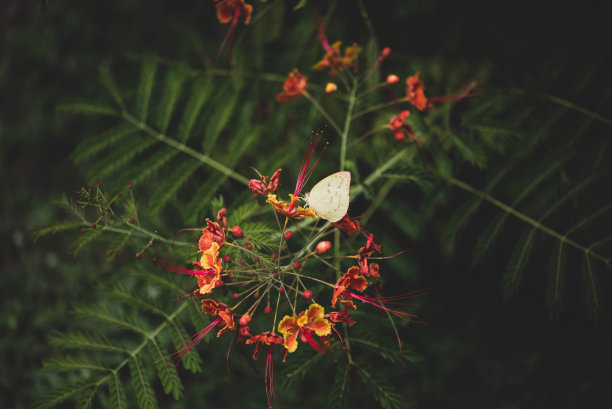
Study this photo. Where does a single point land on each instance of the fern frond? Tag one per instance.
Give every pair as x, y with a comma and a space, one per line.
57, 396
103, 316
339, 393
518, 261
191, 360
111, 86
71, 363
173, 86
84, 239
145, 86
381, 389
85, 398
87, 108
55, 227
79, 340
116, 394
92, 146
590, 285
221, 116
295, 369
395, 355
166, 371
116, 246
144, 391
112, 163
200, 92
146, 169
556, 278
172, 184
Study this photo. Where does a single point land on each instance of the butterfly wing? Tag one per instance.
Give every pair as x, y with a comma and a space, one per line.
330, 197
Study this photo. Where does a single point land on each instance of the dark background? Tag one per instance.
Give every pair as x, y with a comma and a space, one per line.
479, 350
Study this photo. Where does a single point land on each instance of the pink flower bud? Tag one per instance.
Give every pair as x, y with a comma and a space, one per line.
132, 220
219, 283
242, 260
307, 294
230, 276
249, 246
297, 265
323, 247
138, 256
226, 259
82, 230
130, 185
119, 194
384, 54
93, 226
288, 234
235, 296
274, 255
392, 79
267, 310
237, 232
245, 319
281, 290
256, 295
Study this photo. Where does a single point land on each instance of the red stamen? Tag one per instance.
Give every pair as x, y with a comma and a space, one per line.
375, 302
195, 340
269, 377
328, 49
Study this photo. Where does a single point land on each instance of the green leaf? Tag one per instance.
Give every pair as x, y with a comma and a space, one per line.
173, 183
55, 227
381, 389
57, 396
339, 393
116, 394
145, 86
591, 288
226, 108
85, 398
301, 4
113, 163
395, 355
91, 146
116, 246
518, 261
78, 340
199, 94
85, 239
109, 83
166, 371
144, 392
556, 278
191, 360
173, 86
87, 108
301, 363
72, 363
104, 316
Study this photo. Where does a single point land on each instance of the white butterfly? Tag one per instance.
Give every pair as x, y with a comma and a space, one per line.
330, 197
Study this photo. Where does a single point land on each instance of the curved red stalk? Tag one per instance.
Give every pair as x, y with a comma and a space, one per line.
195, 340
323, 37
228, 36
270, 387
375, 302
305, 171
314, 344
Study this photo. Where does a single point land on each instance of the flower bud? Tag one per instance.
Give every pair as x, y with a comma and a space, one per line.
249, 246
132, 220
235, 296
297, 265
323, 247
281, 290
130, 185
288, 234
82, 230
392, 79
274, 255
267, 310
237, 232
138, 256
93, 226
230, 276
384, 54
330, 88
256, 296
219, 283
245, 319
119, 194
226, 259
307, 294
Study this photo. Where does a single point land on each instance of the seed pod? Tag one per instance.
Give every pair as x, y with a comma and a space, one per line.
323, 247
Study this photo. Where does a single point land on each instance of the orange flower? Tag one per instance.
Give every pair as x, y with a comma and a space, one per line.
307, 322
214, 308
351, 279
294, 87
362, 257
227, 10
210, 261
289, 209
415, 92
263, 186
400, 128
348, 225
212, 233
335, 61
267, 338
341, 316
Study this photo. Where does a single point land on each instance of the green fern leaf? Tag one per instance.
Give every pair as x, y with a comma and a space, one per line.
240, 214
144, 391
71, 363
87, 108
199, 94
112, 163
518, 261
191, 360
116, 394
139, 174
297, 367
145, 86
381, 389
459, 219
201, 197
85, 398
109, 83
173, 86
166, 371
556, 278
395, 355
55, 227
104, 316
172, 184
84, 239
77, 340
225, 109
487, 238
339, 393
92, 146
57, 396
116, 247
591, 288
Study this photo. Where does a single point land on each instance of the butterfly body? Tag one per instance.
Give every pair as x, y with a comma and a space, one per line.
330, 197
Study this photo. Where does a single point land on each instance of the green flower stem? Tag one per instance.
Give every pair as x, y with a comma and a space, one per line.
323, 112
184, 148
347, 125
510, 210
403, 155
